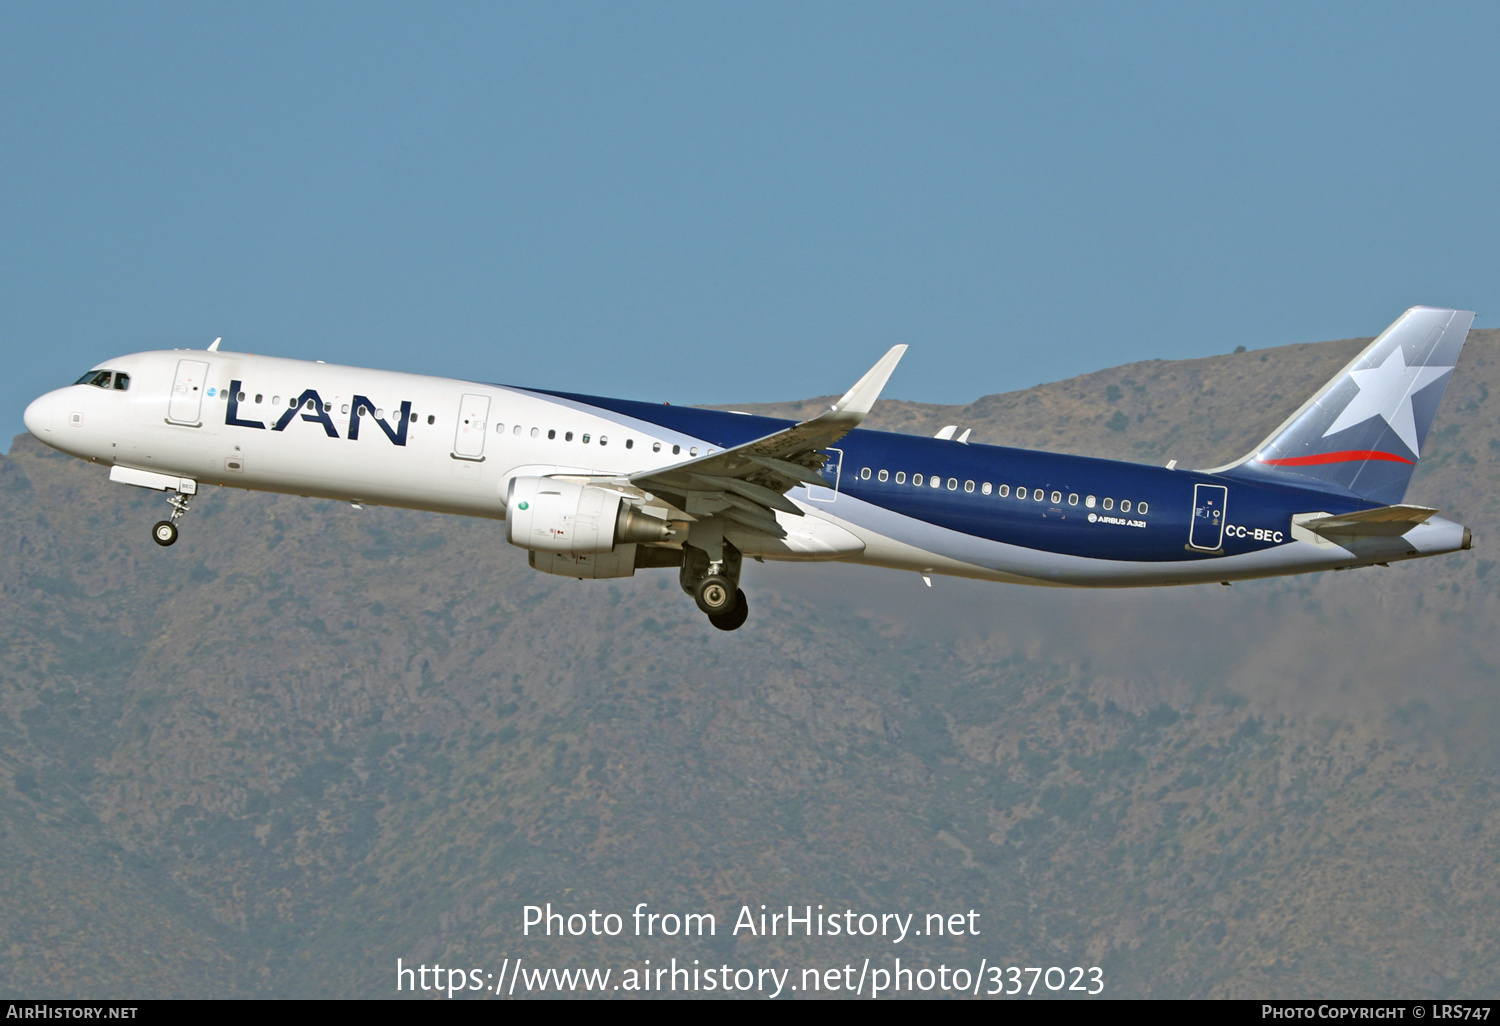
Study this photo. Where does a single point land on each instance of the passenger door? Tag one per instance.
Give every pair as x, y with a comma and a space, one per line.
1207, 532
187, 393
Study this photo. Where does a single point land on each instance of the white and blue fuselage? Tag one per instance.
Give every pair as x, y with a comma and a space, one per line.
928, 505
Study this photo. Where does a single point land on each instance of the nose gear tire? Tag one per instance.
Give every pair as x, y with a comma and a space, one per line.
164, 532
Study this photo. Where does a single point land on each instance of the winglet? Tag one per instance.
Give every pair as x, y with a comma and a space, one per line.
215, 347
859, 400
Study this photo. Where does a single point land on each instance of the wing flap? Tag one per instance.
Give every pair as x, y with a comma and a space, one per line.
750, 490
757, 520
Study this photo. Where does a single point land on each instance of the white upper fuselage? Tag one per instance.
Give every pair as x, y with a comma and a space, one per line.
132, 428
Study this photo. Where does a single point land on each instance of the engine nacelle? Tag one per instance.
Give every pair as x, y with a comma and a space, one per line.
544, 514
592, 566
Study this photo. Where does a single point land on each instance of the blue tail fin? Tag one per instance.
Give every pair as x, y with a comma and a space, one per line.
1363, 432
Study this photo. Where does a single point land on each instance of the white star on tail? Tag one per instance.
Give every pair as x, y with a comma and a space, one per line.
1386, 392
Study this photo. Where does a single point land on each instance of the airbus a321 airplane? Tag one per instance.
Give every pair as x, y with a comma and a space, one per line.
595, 487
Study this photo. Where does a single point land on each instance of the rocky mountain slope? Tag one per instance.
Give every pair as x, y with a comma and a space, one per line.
309, 740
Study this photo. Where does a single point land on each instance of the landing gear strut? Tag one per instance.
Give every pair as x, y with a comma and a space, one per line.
715, 586
164, 532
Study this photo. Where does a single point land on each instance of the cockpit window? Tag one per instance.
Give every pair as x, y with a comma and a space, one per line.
99, 379
102, 378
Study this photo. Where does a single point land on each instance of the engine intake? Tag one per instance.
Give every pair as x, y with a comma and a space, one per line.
544, 514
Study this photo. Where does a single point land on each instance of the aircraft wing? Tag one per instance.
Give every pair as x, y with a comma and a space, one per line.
746, 483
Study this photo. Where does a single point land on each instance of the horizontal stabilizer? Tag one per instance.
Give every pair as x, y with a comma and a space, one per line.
1386, 521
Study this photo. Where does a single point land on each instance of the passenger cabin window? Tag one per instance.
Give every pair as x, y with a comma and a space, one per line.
676, 450
937, 482
1005, 490
1140, 508
551, 433
1020, 491
603, 439
433, 420
1089, 502
630, 443
1072, 498
864, 474
985, 488
916, 479
1038, 494
1108, 504
883, 475
568, 437
585, 439
1056, 498
1124, 505
901, 477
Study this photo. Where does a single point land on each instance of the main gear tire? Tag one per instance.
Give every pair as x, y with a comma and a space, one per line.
715, 595
736, 617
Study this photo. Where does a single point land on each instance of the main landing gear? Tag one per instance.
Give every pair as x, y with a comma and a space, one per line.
164, 532
715, 586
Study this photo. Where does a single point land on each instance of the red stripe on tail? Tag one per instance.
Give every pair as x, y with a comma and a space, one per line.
1347, 456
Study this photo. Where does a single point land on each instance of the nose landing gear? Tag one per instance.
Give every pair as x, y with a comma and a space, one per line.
715, 586
164, 532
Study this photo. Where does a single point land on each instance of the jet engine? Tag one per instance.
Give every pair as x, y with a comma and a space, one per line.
544, 514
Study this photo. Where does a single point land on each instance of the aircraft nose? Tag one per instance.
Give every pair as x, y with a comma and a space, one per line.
39, 414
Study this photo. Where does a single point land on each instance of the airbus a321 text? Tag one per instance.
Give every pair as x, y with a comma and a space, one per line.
593, 487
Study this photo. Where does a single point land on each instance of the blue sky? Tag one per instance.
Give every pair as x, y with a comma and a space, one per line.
714, 202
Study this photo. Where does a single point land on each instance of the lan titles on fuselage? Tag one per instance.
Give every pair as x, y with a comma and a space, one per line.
594, 487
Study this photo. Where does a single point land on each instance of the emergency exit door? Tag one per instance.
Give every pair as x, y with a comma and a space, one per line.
468, 438
831, 471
